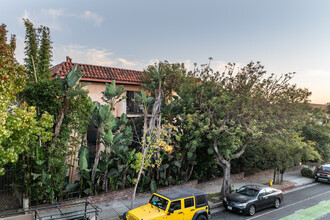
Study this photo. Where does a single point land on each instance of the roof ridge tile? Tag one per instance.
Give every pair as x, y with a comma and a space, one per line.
97, 72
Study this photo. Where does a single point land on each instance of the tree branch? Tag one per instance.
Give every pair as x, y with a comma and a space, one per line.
237, 155
220, 159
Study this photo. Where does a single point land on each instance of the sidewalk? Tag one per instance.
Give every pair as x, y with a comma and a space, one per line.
112, 210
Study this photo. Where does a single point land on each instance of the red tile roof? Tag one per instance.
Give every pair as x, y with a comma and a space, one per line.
93, 73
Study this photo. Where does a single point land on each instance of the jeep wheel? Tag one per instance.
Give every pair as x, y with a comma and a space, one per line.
277, 203
252, 210
201, 217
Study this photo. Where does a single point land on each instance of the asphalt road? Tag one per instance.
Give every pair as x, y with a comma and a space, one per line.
309, 202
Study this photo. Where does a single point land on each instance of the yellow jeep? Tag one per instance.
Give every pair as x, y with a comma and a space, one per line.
176, 204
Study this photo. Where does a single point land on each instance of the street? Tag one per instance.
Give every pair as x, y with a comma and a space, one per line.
310, 202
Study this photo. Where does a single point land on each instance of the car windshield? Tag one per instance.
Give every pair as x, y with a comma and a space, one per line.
246, 191
325, 168
158, 202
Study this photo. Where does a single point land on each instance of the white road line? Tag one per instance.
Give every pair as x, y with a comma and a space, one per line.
289, 205
299, 210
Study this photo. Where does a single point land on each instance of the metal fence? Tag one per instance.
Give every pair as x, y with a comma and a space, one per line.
9, 199
74, 210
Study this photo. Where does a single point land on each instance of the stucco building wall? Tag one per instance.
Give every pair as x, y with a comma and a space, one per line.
95, 92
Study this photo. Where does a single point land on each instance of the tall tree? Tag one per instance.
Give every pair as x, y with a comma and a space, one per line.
148, 132
18, 124
151, 131
231, 109
317, 130
65, 99
31, 49
38, 52
44, 53
171, 78
285, 148
70, 90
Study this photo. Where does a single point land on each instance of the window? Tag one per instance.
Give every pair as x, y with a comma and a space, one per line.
131, 106
91, 140
269, 191
158, 202
325, 168
246, 191
176, 205
188, 202
200, 200
262, 193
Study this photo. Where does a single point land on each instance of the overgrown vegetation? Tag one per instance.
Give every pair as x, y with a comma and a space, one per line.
199, 125
307, 172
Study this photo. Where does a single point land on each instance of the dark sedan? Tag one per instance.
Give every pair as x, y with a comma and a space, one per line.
251, 198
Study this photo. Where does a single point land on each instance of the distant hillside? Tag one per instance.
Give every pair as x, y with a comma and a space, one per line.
323, 106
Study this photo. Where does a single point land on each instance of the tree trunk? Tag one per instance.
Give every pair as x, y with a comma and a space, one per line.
225, 189
124, 175
145, 147
274, 179
97, 152
105, 181
277, 177
158, 134
138, 178
58, 126
225, 164
191, 170
60, 119
282, 173
145, 130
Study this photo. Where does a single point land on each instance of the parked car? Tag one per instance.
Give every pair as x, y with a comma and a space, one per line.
176, 204
322, 173
251, 198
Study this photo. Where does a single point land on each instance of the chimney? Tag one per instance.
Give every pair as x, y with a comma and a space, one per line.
68, 59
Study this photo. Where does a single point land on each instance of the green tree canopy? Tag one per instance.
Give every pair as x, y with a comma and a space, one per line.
18, 124
38, 52
169, 78
230, 110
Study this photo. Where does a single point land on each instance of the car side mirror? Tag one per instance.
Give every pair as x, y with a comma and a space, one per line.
260, 197
171, 210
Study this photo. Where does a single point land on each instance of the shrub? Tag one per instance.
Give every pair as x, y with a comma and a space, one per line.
306, 172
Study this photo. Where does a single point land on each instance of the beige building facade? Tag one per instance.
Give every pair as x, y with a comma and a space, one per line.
97, 77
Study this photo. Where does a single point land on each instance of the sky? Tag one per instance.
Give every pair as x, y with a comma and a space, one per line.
284, 35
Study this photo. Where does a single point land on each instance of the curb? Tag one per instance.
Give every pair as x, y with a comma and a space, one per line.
288, 187
216, 205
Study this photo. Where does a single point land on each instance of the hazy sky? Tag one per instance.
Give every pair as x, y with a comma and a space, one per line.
285, 35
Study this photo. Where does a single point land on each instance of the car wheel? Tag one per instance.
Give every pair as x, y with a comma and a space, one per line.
252, 210
277, 203
201, 217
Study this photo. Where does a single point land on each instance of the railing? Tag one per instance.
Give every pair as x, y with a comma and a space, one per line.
74, 210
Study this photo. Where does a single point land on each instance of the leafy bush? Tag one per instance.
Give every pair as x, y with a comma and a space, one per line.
306, 172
